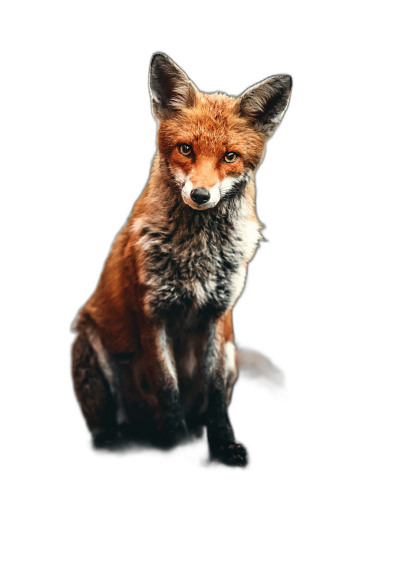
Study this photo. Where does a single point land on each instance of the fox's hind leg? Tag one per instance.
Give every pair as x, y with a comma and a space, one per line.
93, 390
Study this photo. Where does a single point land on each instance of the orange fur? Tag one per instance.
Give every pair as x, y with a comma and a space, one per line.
120, 309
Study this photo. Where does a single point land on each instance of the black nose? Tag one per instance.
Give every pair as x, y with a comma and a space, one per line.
200, 195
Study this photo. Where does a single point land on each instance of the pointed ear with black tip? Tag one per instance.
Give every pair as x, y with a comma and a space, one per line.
170, 88
265, 103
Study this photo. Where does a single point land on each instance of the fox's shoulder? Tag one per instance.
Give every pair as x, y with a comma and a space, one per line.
110, 306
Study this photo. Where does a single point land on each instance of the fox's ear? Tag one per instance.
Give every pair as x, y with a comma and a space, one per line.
266, 102
170, 88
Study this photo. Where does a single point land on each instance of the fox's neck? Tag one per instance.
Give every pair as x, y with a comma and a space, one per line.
194, 259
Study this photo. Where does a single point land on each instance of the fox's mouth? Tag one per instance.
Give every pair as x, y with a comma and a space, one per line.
200, 207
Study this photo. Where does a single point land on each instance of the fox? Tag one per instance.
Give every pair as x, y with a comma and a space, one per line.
155, 355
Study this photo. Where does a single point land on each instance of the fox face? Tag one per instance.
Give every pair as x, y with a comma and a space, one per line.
209, 143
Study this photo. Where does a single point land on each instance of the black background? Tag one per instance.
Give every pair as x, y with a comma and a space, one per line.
105, 136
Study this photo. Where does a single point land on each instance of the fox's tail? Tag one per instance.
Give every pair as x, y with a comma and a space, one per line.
255, 366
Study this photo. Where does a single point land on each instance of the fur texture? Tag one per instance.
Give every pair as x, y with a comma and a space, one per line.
155, 349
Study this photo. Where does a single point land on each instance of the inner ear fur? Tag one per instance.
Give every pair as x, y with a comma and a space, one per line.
265, 103
170, 87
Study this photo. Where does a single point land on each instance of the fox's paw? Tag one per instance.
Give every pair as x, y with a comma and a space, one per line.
171, 439
106, 439
120, 442
178, 440
231, 454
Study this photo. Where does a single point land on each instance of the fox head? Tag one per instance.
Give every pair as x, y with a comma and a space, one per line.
210, 142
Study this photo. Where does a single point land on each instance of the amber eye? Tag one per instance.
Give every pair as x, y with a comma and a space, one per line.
230, 157
185, 150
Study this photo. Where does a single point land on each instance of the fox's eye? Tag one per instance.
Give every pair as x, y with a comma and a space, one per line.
185, 150
230, 157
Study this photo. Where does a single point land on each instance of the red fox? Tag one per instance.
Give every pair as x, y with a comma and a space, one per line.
155, 349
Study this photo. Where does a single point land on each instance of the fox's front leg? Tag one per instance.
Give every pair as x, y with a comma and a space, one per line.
163, 379
221, 437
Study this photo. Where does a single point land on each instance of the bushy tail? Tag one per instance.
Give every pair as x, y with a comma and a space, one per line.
255, 366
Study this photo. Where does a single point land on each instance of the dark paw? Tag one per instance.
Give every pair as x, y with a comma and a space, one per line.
105, 439
176, 441
231, 454
170, 439
121, 439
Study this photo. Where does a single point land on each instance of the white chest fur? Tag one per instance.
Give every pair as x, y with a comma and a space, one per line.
197, 262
